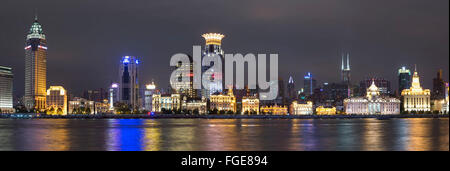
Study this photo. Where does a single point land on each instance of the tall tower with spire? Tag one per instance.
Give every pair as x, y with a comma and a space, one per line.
345, 69
35, 68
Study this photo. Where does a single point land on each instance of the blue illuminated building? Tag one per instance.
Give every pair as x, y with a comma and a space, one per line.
129, 82
309, 84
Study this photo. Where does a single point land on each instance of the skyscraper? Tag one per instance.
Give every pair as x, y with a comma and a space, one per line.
438, 86
213, 47
292, 94
345, 70
6, 89
309, 84
35, 68
149, 91
404, 79
189, 92
129, 82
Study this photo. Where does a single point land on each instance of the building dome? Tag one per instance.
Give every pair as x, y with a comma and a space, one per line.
373, 91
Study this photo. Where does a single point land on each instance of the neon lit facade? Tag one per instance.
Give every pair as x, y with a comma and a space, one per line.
35, 68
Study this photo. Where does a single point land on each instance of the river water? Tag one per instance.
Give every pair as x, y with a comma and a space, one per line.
224, 134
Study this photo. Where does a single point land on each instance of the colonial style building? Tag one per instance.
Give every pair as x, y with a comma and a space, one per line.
416, 98
172, 102
373, 103
250, 105
81, 106
195, 106
301, 109
223, 102
274, 110
325, 110
56, 100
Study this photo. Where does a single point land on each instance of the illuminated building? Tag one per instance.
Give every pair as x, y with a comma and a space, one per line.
223, 102
384, 86
274, 110
35, 68
345, 74
416, 99
56, 100
129, 82
148, 95
325, 110
373, 103
213, 47
309, 84
6, 90
101, 107
292, 94
250, 105
441, 105
301, 109
168, 103
438, 87
281, 98
113, 95
345, 70
195, 106
82, 106
190, 92
404, 79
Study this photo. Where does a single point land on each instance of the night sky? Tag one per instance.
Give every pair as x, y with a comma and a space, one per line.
86, 39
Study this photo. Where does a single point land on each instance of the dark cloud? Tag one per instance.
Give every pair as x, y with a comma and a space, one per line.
87, 38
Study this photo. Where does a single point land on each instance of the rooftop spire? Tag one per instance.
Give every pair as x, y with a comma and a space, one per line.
342, 56
348, 61
35, 14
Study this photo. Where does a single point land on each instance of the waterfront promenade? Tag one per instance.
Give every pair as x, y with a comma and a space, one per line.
214, 116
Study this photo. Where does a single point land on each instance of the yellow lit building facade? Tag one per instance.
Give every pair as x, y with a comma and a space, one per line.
195, 106
35, 69
325, 110
81, 106
416, 98
250, 105
56, 100
172, 102
301, 109
274, 110
223, 102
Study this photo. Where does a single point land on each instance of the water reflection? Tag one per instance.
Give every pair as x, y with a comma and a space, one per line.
224, 134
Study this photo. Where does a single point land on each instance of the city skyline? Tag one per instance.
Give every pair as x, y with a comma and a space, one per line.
323, 62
